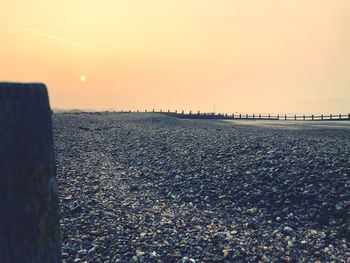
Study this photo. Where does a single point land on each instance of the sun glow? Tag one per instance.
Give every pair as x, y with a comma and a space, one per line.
82, 78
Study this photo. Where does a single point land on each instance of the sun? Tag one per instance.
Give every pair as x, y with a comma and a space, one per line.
82, 78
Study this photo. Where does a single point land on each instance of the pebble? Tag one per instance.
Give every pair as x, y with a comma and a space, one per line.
92, 250
82, 252
287, 230
188, 260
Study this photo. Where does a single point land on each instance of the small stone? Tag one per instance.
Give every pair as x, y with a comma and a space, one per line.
226, 253
228, 236
92, 250
185, 260
82, 252
339, 207
252, 210
199, 248
188, 260
287, 230
265, 259
313, 232
69, 197
134, 259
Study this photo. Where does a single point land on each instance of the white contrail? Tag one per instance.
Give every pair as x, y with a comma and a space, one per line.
43, 34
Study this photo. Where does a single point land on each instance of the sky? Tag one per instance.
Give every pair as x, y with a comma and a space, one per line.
250, 56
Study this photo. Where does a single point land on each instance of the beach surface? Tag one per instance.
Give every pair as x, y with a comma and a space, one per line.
153, 188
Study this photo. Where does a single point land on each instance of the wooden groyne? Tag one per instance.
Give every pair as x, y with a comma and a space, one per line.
239, 116
271, 117
29, 224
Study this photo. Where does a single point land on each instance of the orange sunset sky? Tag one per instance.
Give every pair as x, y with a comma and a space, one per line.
243, 56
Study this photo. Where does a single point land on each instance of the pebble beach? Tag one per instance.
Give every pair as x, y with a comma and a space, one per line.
143, 187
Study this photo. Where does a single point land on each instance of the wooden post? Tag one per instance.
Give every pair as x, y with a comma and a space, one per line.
269, 116
312, 117
339, 116
330, 116
240, 116
29, 224
253, 116
304, 117
182, 112
259, 116
349, 116
285, 117
176, 111
295, 117
233, 116
246, 116
198, 113
278, 116
321, 116
153, 110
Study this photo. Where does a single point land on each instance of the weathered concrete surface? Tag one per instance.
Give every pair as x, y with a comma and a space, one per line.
29, 225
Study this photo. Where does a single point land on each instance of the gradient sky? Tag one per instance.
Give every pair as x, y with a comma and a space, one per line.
243, 56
